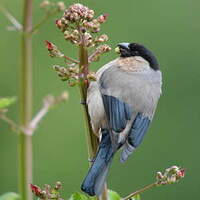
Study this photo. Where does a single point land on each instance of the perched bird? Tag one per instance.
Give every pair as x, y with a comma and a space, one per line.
121, 105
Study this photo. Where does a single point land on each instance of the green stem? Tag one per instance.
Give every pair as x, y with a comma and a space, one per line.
25, 142
140, 191
92, 140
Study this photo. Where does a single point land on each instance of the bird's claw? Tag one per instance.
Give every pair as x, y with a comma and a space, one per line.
91, 160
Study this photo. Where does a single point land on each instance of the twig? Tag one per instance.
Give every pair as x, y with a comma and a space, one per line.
96, 52
43, 20
35, 121
71, 59
12, 124
11, 18
140, 191
49, 102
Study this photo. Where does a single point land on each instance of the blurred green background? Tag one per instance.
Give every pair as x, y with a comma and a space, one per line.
171, 29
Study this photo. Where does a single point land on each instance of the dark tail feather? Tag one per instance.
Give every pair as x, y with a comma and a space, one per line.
96, 177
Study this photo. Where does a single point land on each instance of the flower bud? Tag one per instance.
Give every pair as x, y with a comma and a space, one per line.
59, 23
102, 38
72, 82
36, 190
58, 183
91, 76
102, 18
61, 6
159, 176
53, 50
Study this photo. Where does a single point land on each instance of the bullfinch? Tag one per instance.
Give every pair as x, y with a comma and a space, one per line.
121, 104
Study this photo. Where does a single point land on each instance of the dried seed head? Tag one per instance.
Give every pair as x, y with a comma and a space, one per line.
64, 97
60, 5
44, 4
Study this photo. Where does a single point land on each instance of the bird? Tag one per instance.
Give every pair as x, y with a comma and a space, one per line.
121, 105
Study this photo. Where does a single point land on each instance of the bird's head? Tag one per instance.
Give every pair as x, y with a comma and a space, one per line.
135, 49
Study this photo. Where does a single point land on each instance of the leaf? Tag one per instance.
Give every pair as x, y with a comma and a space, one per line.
6, 102
112, 195
77, 196
10, 196
136, 197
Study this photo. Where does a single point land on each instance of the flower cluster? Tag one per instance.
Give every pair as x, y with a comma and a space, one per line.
71, 74
171, 175
78, 24
98, 52
48, 192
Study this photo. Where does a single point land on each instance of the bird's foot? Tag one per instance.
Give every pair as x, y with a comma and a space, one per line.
91, 160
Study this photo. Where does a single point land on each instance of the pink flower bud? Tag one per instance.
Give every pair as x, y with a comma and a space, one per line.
49, 45
102, 18
53, 50
36, 190
181, 173
59, 23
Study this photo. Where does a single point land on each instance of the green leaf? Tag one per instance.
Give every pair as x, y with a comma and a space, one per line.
6, 102
112, 195
10, 196
77, 196
136, 197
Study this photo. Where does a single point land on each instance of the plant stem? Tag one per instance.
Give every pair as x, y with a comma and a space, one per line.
92, 140
25, 142
140, 191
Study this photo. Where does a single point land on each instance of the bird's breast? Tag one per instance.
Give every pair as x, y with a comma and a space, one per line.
133, 64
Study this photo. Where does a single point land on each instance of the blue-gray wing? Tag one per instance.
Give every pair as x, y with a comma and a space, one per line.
136, 134
117, 112
129, 101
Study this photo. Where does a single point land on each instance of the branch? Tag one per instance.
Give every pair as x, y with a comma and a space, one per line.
12, 124
140, 191
49, 102
71, 59
11, 18
43, 20
170, 175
